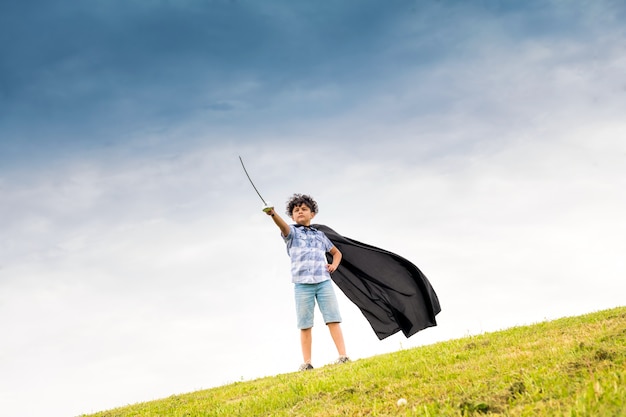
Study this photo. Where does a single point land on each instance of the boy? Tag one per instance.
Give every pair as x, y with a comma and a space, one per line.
310, 273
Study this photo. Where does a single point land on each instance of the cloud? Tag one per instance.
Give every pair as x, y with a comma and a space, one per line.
115, 67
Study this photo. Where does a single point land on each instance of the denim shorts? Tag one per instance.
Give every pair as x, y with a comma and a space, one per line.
323, 292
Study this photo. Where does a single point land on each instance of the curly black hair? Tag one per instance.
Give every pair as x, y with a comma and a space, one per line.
299, 199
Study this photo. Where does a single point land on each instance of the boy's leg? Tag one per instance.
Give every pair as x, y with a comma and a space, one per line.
337, 335
329, 307
305, 304
306, 340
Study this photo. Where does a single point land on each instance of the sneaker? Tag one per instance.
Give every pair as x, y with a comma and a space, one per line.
342, 359
305, 367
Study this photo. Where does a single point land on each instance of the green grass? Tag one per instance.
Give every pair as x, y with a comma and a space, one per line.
573, 366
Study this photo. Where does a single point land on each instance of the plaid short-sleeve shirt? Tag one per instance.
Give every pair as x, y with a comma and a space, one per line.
307, 249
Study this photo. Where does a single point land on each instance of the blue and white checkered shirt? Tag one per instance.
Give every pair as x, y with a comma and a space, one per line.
307, 249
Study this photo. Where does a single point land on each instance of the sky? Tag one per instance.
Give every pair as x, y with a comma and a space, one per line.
482, 140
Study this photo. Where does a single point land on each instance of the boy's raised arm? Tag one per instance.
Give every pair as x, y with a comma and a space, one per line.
282, 225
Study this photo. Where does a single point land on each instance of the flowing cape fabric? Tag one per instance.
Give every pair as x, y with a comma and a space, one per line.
391, 292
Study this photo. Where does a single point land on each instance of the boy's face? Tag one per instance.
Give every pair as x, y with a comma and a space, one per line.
302, 215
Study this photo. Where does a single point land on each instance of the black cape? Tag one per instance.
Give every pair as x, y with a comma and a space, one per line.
390, 291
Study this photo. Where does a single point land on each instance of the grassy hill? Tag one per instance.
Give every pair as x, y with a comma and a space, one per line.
573, 366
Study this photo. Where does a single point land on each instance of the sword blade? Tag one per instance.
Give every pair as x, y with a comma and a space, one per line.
250, 179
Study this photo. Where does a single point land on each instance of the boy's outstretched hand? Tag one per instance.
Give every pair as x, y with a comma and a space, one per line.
268, 209
282, 225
